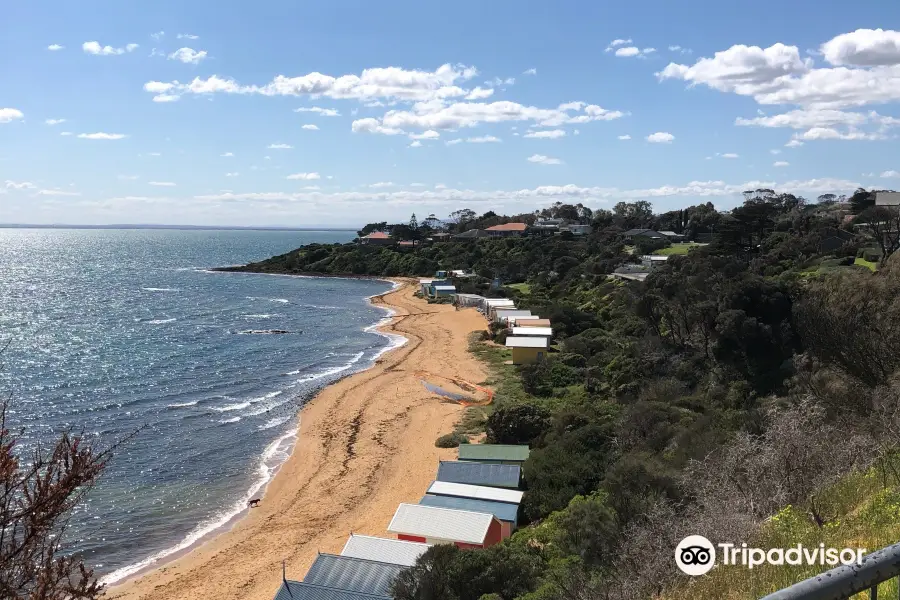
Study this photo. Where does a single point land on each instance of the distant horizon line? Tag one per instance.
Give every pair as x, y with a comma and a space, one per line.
178, 227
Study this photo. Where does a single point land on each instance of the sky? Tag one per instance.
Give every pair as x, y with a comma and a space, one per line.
340, 113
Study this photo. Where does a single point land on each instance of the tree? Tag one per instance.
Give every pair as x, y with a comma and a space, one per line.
461, 217
413, 222
633, 214
430, 578
517, 424
372, 227
883, 222
40, 491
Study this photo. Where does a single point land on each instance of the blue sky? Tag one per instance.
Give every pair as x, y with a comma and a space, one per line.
187, 112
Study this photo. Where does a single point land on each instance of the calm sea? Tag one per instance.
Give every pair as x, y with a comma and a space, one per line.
110, 331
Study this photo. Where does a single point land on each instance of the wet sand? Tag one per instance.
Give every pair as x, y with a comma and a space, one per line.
365, 444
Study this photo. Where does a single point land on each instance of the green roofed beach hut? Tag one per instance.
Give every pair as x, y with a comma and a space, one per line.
498, 454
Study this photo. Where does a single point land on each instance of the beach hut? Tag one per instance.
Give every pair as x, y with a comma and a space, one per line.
502, 314
513, 321
442, 290
434, 525
353, 574
441, 274
383, 550
425, 285
296, 590
502, 454
467, 300
479, 492
532, 322
490, 303
527, 350
533, 331
473, 473
507, 514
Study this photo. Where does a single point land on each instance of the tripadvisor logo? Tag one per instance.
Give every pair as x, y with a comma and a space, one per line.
696, 555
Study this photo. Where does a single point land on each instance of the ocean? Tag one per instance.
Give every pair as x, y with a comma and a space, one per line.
115, 331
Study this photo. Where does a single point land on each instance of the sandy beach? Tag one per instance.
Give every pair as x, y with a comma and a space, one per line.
365, 445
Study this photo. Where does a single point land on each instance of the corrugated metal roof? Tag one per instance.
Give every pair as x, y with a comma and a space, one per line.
501, 510
445, 287
295, 590
384, 550
473, 473
526, 342
532, 331
441, 523
498, 301
493, 452
534, 323
463, 490
511, 312
354, 574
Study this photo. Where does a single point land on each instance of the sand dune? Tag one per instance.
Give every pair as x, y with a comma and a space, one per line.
366, 444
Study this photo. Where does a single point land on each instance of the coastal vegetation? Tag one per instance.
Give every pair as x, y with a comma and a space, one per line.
746, 390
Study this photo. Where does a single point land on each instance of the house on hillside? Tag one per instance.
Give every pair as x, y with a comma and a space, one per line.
507, 230
441, 236
377, 238
651, 261
384, 550
435, 525
577, 229
527, 350
672, 236
632, 234
548, 226
887, 198
472, 234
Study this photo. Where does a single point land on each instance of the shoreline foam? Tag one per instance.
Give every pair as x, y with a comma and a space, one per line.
227, 517
364, 444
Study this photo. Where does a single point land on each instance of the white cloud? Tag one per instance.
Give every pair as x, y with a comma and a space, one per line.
188, 56
382, 184
531, 71
730, 155
500, 81
166, 98
863, 47
187, 36
65, 133
544, 160
794, 144
829, 133
7, 115
891, 173
775, 151
158, 35
102, 136
54, 121
310, 127
55, 47
680, 49
781, 163
232, 174
483, 139
480, 93
416, 144
625, 137
619, 42
454, 142
128, 177
660, 137
228, 154
161, 183
57, 193
806, 118
417, 185
22, 185
628, 51
279, 146
428, 135
154, 154
322, 112
304, 176
550, 134
96, 49
370, 125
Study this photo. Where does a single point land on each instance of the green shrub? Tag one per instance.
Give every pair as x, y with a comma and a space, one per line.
451, 440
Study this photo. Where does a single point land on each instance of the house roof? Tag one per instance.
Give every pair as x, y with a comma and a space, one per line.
504, 313
354, 574
669, 233
522, 318
527, 331
383, 549
655, 257
499, 302
532, 322
444, 287
887, 198
475, 473
481, 492
493, 452
508, 227
526, 342
647, 232
441, 523
501, 510
472, 233
295, 590
376, 235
